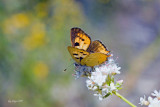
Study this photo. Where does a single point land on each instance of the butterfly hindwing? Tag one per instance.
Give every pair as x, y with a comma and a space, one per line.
94, 59
80, 39
77, 54
97, 47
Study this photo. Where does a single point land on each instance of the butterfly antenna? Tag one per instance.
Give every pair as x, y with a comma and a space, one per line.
67, 67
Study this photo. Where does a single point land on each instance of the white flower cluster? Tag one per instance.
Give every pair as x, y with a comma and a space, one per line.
151, 102
101, 80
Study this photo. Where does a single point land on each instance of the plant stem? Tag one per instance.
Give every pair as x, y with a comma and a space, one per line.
121, 97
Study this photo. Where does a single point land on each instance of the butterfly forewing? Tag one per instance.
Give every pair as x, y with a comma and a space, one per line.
80, 39
97, 47
77, 54
94, 59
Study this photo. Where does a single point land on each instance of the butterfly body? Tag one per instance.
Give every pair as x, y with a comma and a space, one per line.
85, 52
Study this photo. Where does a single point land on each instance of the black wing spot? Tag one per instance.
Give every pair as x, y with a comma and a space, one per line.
81, 52
77, 58
81, 58
75, 54
82, 39
84, 54
76, 44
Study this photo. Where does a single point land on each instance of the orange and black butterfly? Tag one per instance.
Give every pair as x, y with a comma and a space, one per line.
87, 52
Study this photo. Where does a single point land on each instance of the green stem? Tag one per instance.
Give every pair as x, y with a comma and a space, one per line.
121, 97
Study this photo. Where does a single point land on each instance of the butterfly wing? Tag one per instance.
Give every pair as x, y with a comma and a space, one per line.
97, 47
77, 54
84, 52
80, 39
94, 59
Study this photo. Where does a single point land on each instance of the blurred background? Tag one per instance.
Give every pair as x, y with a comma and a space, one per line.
34, 35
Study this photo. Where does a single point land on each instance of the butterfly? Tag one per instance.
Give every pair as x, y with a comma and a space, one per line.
87, 52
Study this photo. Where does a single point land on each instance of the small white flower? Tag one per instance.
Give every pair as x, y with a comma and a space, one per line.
120, 81
156, 94
109, 67
115, 69
112, 87
143, 101
99, 95
110, 59
98, 78
154, 102
94, 88
90, 84
105, 91
108, 89
150, 99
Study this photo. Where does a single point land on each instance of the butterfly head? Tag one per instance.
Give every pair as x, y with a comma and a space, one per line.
82, 70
